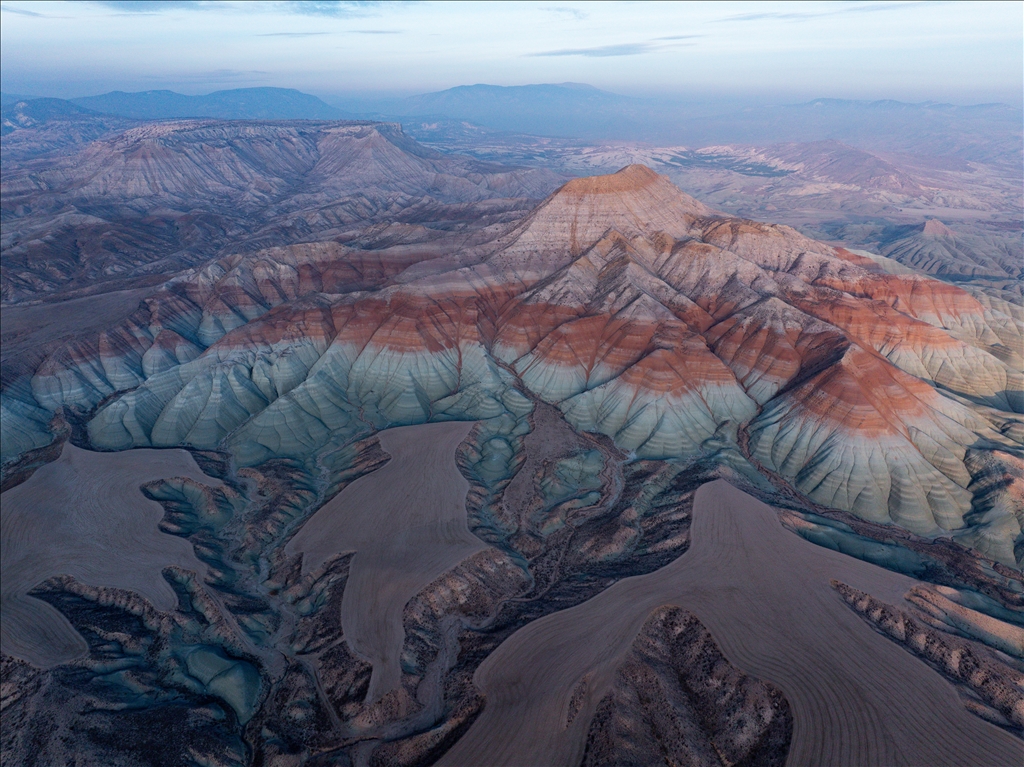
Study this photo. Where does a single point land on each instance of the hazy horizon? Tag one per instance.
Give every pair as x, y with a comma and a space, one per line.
343, 100
730, 52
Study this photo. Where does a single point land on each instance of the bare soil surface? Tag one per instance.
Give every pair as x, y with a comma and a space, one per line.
29, 332
39, 323
84, 515
407, 524
764, 593
550, 437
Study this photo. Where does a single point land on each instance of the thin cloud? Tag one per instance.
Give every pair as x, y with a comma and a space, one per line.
625, 49
335, 8
143, 6
375, 31
22, 12
622, 49
291, 34
563, 10
680, 37
805, 15
887, 6
774, 15
338, 8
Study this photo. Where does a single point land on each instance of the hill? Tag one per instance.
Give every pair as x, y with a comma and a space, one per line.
236, 104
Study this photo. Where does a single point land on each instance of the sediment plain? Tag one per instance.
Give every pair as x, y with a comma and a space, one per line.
84, 515
764, 593
406, 523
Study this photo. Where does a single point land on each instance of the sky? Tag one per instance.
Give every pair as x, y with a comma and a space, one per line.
945, 51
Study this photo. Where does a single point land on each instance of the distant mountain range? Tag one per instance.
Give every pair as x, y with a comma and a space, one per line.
10, 98
565, 110
39, 126
237, 104
986, 132
22, 113
60, 124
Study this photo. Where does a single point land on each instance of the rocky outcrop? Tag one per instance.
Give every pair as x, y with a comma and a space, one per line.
145, 667
631, 307
990, 688
677, 699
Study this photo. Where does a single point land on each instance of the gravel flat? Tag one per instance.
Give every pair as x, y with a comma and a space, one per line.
764, 593
84, 515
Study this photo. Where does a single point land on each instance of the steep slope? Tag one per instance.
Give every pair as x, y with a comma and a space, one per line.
164, 196
637, 311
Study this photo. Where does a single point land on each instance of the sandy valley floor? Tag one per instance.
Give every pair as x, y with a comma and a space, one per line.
764, 593
407, 524
84, 515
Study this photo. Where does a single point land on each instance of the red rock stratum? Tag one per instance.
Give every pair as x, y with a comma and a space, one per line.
633, 308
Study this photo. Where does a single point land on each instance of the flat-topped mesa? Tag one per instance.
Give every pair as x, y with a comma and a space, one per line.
624, 195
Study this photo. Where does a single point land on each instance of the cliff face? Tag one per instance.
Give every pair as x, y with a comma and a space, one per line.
637, 311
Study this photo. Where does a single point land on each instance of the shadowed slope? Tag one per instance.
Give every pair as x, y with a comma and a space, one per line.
626, 303
161, 197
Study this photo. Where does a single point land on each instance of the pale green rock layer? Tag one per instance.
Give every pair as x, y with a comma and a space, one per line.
294, 400
207, 365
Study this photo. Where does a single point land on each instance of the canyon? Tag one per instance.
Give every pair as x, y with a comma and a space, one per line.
442, 460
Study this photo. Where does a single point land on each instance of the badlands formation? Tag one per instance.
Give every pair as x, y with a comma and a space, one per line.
585, 368
952, 212
142, 204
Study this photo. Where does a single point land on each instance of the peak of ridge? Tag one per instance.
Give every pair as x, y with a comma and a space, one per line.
620, 191
635, 202
632, 178
935, 228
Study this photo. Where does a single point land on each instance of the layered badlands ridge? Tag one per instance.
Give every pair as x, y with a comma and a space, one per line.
639, 312
161, 197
